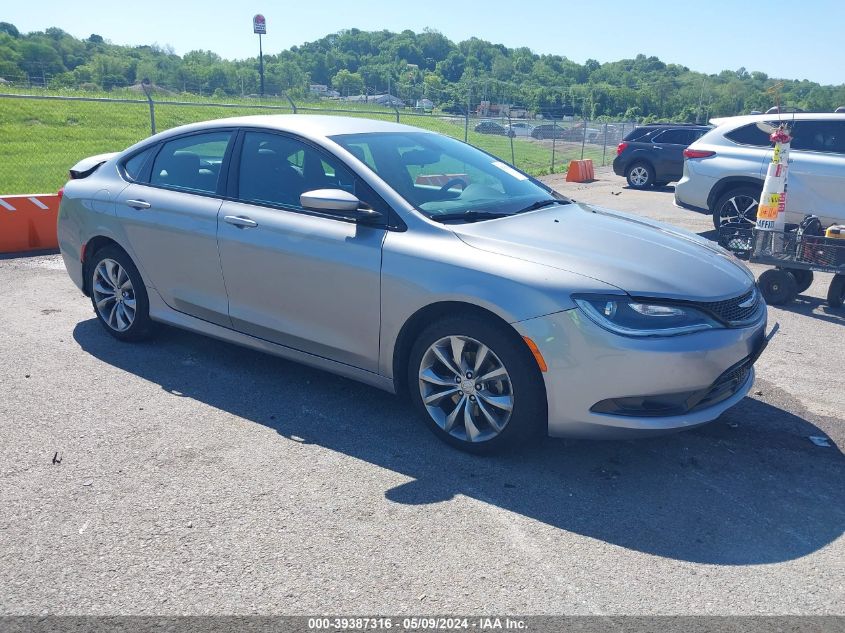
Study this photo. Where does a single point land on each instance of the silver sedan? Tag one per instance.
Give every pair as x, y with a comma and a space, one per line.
419, 265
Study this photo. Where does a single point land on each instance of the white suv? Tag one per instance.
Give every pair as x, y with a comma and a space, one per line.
724, 169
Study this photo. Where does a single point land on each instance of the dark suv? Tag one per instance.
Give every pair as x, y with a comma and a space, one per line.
654, 154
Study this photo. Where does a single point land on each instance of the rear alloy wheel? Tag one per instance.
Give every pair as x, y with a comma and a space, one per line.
640, 176
836, 292
119, 296
778, 286
477, 386
737, 208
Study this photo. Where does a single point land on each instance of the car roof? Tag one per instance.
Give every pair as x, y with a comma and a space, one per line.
783, 116
308, 125
315, 127
675, 125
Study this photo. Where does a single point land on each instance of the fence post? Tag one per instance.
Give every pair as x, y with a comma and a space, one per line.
584, 136
554, 140
604, 149
511, 134
292, 104
395, 108
145, 84
466, 116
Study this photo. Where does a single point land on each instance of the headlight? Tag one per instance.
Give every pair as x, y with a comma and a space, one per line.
630, 317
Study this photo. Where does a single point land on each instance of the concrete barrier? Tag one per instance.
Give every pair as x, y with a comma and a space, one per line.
28, 222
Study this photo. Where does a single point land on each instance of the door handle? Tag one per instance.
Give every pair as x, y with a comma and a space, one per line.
240, 221
138, 204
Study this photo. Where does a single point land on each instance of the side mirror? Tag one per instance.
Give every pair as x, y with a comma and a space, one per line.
338, 201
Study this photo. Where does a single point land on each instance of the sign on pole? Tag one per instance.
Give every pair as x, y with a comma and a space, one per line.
259, 24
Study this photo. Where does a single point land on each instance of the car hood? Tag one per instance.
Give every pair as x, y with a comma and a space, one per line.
639, 256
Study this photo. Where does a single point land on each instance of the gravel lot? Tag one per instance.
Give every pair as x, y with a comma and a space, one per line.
196, 477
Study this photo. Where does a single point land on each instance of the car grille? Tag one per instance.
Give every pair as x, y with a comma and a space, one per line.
734, 311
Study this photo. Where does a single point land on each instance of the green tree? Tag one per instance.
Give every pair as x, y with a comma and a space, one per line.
347, 83
9, 29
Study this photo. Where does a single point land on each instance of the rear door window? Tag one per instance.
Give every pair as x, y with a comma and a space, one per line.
638, 134
133, 168
191, 163
675, 137
750, 135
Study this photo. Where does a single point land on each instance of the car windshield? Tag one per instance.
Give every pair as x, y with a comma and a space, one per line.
446, 179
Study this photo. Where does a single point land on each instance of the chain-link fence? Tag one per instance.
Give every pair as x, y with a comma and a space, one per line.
41, 136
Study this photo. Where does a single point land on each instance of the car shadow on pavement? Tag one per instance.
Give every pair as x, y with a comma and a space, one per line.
658, 189
816, 308
748, 489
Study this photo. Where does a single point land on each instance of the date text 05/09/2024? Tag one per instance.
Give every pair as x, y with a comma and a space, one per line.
416, 623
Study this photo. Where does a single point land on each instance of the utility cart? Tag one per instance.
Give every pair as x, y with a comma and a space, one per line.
795, 257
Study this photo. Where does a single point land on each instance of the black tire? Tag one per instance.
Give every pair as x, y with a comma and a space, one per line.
730, 206
528, 417
634, 175
141, 326
778, 286
803, 277
836, 291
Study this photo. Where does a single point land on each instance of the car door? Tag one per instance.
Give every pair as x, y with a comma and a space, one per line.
816, 180
169, 216
669, 148
310, 281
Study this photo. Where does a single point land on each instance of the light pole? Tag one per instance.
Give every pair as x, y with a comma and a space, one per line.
259, 26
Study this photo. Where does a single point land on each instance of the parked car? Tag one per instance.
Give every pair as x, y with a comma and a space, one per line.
725, 169
547, 130
607, 135
311, 237
519, 128
490, 127
653, 155
453, 108
576, 133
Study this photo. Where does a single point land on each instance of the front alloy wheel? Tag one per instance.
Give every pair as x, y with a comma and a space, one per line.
476, 384
466, 389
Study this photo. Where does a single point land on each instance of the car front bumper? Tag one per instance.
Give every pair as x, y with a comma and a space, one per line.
588, 365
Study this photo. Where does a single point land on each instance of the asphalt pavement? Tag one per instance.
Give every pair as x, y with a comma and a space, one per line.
189, 476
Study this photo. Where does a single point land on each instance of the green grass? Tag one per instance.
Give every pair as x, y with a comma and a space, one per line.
40, 139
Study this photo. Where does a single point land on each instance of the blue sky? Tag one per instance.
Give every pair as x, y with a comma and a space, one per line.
705, 36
